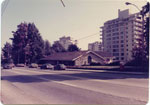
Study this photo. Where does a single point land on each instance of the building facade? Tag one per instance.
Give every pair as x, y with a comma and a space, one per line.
78, 58
66, 41
96, 46
121, 35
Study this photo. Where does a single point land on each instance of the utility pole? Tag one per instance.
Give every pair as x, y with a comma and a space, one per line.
62, 3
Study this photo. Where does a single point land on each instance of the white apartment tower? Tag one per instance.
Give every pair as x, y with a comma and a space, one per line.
96, 46
119, 36
66, 41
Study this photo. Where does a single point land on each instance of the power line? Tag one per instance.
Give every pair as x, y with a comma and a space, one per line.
5, 6
88, 36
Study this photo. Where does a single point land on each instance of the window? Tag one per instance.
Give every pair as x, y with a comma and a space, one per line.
116, 29
122, 45
122, 41
122, 50
114, 42
89, 59
121, 37
122, 58
115, 46
122, 54
121, 32
115, 54
108, 34
121, 24
117, 58
115, 38
108, 38
115, 50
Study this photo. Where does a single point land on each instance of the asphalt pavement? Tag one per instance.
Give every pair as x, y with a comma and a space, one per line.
35, 86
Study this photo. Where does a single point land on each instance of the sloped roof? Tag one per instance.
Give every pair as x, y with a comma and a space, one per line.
70, 56
103, 54
65, 55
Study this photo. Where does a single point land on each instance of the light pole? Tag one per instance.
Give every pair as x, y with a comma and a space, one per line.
141, 13
127, 3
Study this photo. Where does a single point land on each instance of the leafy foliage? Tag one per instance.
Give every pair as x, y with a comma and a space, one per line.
6, 56
27, 44
57, 47
19, 42
145, 11
47, 48
147, 35
36, 44
141, 52
72, 48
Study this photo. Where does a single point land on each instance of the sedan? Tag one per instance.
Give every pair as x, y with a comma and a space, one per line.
33, 65
60, 67
8, 66
47, 66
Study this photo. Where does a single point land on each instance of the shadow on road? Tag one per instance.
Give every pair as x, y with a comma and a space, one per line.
63, 77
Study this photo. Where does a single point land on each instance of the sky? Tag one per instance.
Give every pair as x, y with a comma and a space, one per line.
78, 19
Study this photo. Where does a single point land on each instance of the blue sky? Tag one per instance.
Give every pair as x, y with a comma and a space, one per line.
80, 18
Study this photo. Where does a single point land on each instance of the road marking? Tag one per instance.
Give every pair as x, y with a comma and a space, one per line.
119, 72
96, 80
87, 88
21, 95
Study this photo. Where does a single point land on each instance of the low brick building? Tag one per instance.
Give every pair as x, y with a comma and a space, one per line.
78, 58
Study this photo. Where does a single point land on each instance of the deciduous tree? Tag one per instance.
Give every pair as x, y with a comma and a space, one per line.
73, 47
6, 56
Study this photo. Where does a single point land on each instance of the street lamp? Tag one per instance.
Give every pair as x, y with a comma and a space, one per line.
141, 13
127, 3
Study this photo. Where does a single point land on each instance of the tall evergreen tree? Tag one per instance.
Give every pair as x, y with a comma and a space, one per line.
47, 48
19, 42
28, 45
36, 43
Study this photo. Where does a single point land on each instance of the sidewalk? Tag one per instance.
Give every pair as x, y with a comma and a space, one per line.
127, 69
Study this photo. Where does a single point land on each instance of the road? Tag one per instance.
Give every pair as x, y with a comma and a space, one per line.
35, 86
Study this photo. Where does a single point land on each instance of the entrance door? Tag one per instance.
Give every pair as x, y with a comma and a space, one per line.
89, 59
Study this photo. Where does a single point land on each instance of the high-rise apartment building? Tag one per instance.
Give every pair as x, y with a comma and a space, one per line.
96, 46
66, 41
120, 35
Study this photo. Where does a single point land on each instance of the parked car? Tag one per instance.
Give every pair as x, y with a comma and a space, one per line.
33, 65
47, 66
8, 66
60, 67
20, 65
